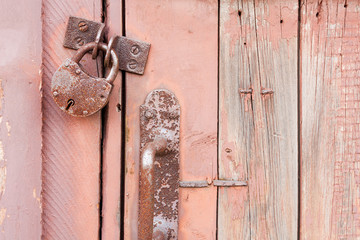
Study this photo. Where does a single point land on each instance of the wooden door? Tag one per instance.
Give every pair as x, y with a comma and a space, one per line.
268, 94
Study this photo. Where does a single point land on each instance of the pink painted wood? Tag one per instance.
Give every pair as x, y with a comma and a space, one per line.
71, 146
112, 139
330, 135
20, 119
258, 133
183, 59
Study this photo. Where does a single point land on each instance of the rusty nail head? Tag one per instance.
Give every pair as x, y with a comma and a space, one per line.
83, 26
78, 71
66, 64
245, 91
55, 93
80, 41
85, 112
267, 91
148, 114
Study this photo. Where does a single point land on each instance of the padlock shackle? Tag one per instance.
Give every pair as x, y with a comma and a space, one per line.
90, 46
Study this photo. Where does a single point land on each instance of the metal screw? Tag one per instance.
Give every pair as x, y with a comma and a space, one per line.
85, 112
83, 26
66, 64
55, 93
80, 41
148, 114
135, 50
104, 87
132, 64
78, 71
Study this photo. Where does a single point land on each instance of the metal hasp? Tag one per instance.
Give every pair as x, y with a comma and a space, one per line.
159, 166
132, 53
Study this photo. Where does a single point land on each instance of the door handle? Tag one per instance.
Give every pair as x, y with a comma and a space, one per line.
159, 167
146, 208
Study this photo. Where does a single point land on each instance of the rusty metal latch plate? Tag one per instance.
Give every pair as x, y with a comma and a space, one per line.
132, 53
160, 117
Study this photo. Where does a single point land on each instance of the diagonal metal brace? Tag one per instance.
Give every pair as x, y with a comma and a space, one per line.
132, 53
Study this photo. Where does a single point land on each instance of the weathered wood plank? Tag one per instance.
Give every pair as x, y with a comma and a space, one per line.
20, 119
112, 139
330, 63
71, 146
258, 129
183, 59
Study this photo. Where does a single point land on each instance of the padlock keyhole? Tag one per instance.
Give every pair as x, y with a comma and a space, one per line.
70, 103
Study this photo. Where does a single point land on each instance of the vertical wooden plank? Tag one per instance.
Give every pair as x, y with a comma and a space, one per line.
112, 139
330, 63
183, 59
258, 132
20, 119
71, 146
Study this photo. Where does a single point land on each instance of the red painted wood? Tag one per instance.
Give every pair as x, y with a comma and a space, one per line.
20, 119
71, 146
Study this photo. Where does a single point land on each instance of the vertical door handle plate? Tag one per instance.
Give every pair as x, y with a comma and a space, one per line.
160, 119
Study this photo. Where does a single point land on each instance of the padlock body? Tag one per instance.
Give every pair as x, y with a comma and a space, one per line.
76, 92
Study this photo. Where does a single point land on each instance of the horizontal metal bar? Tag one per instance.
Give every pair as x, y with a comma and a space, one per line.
216, 183
193, 184
229, 183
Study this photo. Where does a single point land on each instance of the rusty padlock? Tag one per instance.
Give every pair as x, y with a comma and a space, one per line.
76, 92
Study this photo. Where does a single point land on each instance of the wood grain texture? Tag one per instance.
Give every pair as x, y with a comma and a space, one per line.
71, 146
330, 63
183, 59
112, 139
20, 119
258, 134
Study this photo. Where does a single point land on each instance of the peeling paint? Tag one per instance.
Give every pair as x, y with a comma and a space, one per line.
36, 197
118, 214
2, 180
1, 152
1, 93
8, 127
2, 215
2, 170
